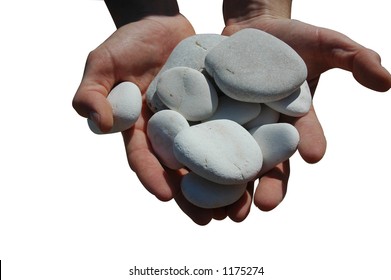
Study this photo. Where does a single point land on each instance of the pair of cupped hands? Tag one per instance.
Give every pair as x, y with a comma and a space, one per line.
136, 51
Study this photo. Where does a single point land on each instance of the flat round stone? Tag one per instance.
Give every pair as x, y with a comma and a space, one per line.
191, 53
297, 104
221, 151
277, 141
162, 128
234, 110
188, 92
266, 116
125, 100
254, 66
206, 194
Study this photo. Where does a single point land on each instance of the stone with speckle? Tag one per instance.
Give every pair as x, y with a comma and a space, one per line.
254, 66
220, 151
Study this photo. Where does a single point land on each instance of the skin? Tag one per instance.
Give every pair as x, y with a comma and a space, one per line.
154, 32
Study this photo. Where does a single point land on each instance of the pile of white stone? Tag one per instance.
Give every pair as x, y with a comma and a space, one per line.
216, 104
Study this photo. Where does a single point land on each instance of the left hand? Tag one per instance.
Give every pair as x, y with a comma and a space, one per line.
321, 49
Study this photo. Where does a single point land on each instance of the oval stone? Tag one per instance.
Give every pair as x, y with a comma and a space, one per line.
221, 151
191, 53
126, 102
254, 66
162, 128
297, 104
277, 141
234, 110
206, 194
188, 92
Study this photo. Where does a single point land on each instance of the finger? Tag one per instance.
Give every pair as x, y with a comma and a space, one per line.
239, 210
219, 213
199, 215
90, 100
272, 187
312, 144
367, 70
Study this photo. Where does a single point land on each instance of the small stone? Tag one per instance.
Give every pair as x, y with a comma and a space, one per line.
125, 100
266, 116
206, 194
254, 66
277, 141
297, 104
191, 53
234, 110
162, 128
188, 92
221, 151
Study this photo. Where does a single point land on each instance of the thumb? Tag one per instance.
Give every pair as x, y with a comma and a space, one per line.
90, 100
365, 64
367, 70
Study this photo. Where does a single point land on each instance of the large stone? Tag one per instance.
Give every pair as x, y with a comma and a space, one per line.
221, 151
188, 92
206, 194
191, 53
254, 66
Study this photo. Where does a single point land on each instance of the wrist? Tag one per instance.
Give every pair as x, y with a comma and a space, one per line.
236, 11
126, 11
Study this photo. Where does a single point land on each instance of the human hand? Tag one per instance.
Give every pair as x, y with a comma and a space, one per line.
322, 49
136, 52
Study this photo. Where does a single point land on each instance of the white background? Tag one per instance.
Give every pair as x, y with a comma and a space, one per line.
70, 207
